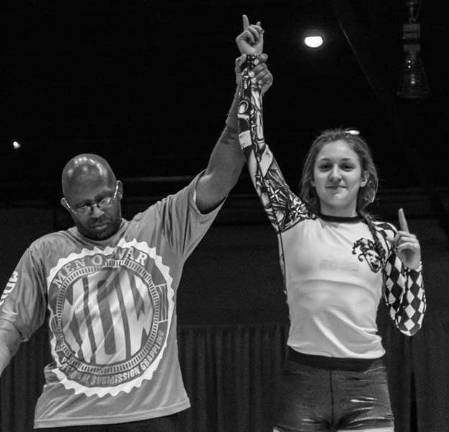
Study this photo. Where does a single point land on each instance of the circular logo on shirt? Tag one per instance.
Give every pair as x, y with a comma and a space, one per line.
111, 311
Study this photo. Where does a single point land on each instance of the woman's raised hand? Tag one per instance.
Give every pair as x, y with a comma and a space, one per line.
406, 245
250, 41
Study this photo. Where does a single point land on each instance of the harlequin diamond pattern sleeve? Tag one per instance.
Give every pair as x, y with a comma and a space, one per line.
283, 207
404, 295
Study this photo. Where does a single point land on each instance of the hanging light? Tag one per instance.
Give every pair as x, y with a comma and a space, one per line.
413, 82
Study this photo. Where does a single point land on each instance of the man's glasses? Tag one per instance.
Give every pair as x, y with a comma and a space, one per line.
85, 209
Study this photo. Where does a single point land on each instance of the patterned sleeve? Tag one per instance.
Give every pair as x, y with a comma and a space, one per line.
404, 292
283, 207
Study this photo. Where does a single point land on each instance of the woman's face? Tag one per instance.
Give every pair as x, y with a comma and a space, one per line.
337, 178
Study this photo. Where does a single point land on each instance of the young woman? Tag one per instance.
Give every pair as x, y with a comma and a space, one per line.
337, 264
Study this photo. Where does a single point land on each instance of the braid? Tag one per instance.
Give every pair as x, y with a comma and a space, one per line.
377, 244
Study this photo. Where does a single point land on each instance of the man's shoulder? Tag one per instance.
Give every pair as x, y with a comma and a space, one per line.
161, 204
50, 241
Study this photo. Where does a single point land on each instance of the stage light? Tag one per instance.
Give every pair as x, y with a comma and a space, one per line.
413, 82
16, 145
313, 41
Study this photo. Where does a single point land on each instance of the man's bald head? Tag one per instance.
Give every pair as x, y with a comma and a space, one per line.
85, 169
92, 195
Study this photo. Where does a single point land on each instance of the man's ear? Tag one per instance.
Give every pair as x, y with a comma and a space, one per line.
64, 203
119, 189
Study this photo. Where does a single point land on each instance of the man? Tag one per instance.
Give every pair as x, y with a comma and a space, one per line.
108, 287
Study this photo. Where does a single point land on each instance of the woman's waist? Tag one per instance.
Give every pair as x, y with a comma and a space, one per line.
335, 363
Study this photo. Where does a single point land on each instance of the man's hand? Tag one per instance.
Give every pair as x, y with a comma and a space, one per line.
261, 74
250, 41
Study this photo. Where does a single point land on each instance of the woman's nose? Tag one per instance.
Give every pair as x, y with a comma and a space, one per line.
335, 174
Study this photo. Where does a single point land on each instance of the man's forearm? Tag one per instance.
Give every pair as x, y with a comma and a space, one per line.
232, 121
225, 164
9, 343
227, 159
4, 358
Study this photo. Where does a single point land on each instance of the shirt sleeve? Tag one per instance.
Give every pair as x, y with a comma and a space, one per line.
404, 294
284, 209
182, 222
22, 306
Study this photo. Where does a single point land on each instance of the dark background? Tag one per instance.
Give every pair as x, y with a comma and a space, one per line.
147, 84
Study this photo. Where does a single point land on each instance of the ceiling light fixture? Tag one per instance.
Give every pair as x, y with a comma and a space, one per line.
313, 40
413, 82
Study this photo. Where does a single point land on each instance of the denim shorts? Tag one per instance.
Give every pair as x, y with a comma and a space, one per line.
321, 394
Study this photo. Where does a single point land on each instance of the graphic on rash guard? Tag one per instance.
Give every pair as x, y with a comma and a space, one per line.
102, 338
365, 250
284, 209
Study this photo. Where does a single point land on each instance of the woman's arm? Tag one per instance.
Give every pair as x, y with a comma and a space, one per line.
404, 295
404, 285
283, 207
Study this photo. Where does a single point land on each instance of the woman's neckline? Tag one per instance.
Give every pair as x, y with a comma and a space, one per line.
347, 219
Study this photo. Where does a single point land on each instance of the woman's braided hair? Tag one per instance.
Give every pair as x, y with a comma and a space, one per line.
377, 244
366, 194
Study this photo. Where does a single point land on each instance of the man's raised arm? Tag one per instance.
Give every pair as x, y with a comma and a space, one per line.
226, 161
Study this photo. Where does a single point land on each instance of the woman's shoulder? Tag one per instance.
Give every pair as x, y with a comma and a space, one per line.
384, 227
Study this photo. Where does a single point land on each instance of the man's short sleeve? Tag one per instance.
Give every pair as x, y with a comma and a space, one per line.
22, 306
182, 222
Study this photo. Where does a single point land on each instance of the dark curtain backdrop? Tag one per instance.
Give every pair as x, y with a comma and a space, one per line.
230, 373
233, 331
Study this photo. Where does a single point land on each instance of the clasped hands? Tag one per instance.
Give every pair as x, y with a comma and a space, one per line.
250, 42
